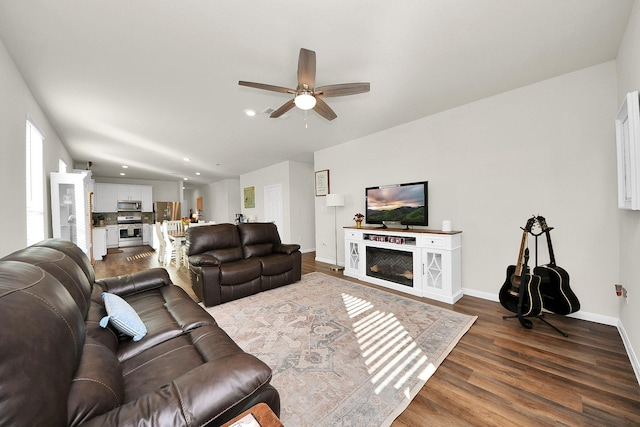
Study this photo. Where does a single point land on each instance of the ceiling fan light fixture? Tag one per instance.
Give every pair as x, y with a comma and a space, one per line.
305, 101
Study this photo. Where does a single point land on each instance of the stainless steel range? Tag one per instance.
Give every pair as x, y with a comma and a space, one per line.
129, 229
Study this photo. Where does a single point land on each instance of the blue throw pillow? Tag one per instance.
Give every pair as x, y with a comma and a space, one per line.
122, 316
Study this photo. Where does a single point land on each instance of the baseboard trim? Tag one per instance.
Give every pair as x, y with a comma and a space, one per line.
632, 355
582, 315
328, 261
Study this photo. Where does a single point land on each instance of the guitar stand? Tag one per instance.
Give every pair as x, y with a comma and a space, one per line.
526, 323
541, 317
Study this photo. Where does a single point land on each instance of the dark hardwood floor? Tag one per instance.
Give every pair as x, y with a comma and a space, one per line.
499, 374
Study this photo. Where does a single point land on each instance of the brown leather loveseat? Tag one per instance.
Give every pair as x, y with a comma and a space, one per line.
59, 367
228, 261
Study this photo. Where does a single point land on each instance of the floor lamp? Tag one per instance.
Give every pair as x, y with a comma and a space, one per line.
335, 200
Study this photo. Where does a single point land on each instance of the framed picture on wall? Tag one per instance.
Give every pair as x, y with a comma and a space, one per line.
322, 182
249, 197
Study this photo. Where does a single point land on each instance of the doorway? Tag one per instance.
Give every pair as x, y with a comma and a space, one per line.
273, 205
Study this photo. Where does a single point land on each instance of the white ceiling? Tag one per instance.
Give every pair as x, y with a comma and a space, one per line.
148, 82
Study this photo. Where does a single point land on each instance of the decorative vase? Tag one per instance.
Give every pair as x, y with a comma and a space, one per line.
359, 224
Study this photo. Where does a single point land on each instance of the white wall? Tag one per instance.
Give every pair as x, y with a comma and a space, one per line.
16, 104
546, 149
302, 216
221, 200
298, 216
628, 66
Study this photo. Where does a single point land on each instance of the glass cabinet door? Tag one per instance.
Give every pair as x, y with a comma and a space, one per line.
70, 208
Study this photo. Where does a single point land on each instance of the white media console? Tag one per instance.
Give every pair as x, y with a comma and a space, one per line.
424, 263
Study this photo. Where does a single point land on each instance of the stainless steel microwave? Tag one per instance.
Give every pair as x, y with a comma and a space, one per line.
129, 206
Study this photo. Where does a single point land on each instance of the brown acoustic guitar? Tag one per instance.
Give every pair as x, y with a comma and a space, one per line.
520, 292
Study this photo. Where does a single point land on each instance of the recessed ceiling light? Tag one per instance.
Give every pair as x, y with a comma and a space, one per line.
125, 167
249, 112
198, 173
186, 159
186, 179
122, 174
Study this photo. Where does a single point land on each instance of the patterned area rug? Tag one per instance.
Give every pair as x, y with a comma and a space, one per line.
342, 354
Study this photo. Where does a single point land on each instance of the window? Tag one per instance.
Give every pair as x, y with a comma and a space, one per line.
35, 185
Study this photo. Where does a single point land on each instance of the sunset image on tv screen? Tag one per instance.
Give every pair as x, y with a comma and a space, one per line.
403, 203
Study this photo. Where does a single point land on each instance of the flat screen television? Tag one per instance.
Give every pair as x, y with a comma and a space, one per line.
406, 204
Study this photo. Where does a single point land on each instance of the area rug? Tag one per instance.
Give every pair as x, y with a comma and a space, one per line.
342, 354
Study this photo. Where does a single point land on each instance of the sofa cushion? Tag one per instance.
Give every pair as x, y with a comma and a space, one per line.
206, 352
276, 264
71, 250
97, 386
258, 238
261, 249
221, 241
166, 312
108, 336
242, 271
40, 347
60, 266
122, 316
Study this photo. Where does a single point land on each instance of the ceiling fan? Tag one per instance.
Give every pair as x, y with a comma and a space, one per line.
307, 96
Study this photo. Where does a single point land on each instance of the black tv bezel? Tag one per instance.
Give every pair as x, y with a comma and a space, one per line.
425, 186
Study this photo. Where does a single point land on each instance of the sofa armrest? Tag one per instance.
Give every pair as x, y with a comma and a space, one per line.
203, 260
135, 282
286, 248
211, 393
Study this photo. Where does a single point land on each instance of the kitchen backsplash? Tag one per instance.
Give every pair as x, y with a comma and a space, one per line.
111, 218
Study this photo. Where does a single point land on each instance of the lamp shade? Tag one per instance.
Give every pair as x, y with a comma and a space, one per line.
334, 199
304, 101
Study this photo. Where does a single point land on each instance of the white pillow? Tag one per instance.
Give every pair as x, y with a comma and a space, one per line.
122, 316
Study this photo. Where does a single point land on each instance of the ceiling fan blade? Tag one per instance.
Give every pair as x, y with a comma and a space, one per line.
285, 107
324, 110
266, 87
342, 89
306, 69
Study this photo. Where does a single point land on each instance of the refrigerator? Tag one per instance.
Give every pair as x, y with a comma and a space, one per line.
70, 212
169, 211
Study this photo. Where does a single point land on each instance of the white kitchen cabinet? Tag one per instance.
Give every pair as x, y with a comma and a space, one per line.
105, 197
129, 192
112, 236
99, 243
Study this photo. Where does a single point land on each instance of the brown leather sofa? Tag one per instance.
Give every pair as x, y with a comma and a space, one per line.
228, 261
58, 367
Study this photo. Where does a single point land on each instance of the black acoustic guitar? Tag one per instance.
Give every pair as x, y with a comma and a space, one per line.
557, 296
520, 293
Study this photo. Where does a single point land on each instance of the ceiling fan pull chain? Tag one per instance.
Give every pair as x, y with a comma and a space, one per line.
306, 125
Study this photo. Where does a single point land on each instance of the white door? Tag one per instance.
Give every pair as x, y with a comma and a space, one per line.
273, 205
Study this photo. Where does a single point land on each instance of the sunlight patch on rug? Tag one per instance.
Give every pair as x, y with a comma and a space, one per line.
342, 354
386, 346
